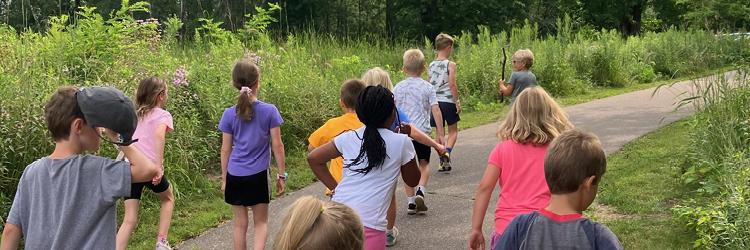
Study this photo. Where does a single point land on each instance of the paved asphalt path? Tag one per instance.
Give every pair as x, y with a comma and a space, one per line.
616, 120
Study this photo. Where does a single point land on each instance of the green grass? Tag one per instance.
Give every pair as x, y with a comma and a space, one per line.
641, 185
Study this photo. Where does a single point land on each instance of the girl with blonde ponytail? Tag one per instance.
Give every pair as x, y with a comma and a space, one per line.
313, 224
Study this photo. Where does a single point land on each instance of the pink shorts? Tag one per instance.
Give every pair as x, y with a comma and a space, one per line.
494, 240
374, 239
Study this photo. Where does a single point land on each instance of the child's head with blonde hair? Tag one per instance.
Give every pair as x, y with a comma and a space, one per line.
534, 118
526, 56
313, 224
378, 76
414, 62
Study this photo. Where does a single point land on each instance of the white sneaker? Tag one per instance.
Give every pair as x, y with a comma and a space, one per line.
162, 246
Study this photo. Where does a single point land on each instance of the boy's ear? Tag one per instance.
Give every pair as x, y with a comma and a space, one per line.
588, 182
423, 69
77, 126
341, 102
404, 69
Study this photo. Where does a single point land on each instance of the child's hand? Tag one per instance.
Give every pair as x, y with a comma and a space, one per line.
440, 150
502, 83
440, 139
404, 128
159, 175
476, 240
223, 186
458, 108
280, 187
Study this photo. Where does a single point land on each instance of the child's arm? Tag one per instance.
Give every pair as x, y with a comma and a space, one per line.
318, 158
452, 84
161, 137
410, 172
141, 168
278, 154
506, 91
226, 151
481, 201
440, 133
11, 237
425, 139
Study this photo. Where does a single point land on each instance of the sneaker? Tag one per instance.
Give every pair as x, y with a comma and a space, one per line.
445, 163
421, 207
391, 237
412, 209
162, 246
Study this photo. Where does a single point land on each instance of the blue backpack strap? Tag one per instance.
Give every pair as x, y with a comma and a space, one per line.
590, 229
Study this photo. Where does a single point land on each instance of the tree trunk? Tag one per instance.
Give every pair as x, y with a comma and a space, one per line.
630, 25
390, 16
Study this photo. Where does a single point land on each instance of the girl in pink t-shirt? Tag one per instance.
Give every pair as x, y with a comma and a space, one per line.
517, 163
153, 125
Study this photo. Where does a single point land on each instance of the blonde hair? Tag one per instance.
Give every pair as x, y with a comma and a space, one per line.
313, 224
443, 41
147, 95
414, 61
534, 118
526, 55
378, 77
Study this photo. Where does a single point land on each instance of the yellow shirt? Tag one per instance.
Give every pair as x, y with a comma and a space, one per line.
330, 130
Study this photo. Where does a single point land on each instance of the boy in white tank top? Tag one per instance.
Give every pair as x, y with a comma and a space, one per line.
442, 76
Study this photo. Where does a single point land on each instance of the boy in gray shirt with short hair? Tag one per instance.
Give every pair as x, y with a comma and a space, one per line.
68, 200
522, 78
573, 167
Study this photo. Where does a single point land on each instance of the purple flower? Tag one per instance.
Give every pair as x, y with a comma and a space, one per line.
195, 96
180, 76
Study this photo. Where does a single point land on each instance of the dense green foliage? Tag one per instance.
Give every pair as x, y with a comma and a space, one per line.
301, 74
717, 166
412, 19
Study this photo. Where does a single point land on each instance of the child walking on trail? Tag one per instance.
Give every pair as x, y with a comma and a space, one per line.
378, 77
153, 125
374, 157
521, 78
68, 200
417, 98
339, 125
250, 129
517, 163
573, 168
313, 224
442, 76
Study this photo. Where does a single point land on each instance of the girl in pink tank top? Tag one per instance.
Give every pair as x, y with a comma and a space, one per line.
517, 163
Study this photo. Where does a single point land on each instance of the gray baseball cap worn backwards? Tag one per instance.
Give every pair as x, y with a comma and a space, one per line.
109, 108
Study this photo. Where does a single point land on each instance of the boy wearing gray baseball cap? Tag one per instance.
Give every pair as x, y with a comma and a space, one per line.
68, 200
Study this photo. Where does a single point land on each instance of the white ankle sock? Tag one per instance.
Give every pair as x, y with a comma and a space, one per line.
411, 199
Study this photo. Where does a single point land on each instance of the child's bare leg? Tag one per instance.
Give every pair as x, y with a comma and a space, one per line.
391, 216
240, 227
167, 206
424, 166
260, 225
128, 223
452, 135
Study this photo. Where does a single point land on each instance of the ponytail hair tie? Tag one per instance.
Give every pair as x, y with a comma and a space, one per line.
247, 90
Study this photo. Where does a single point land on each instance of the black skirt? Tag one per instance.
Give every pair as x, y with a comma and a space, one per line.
248, 190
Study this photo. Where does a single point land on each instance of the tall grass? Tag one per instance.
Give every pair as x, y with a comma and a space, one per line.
301, 75
717, 166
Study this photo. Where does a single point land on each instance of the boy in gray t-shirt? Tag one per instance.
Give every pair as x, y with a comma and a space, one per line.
522, 78
68, 200
573, 166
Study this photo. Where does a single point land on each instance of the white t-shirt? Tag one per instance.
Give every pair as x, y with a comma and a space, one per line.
370, 194
416, 96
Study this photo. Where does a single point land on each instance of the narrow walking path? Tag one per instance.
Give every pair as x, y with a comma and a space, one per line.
616, 120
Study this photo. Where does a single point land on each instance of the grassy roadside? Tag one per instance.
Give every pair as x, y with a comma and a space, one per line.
198, 213
640, 187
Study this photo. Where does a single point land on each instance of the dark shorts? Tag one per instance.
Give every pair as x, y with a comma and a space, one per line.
248, 190
137, 188
423, 151
448, 110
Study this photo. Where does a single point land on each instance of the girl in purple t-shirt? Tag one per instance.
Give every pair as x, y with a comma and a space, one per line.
249, 128
153, 125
